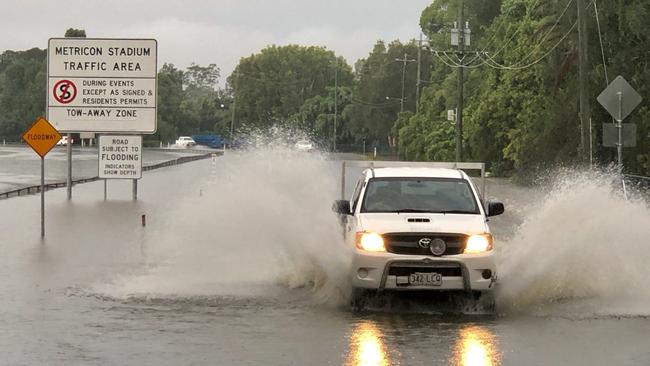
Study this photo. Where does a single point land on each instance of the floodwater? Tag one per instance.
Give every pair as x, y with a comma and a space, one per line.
21, 167
241, 263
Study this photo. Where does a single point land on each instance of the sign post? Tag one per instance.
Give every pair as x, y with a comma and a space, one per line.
42, 137
102, 85
619, 99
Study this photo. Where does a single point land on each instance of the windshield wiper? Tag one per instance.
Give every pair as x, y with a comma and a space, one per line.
457, 212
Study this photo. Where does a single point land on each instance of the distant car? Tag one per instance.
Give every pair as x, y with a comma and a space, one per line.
304, 145
64, 141
185, 141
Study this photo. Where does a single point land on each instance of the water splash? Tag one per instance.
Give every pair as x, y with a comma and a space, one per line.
582, 251
261, 221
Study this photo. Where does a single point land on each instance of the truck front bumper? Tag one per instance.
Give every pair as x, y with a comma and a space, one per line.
390, 271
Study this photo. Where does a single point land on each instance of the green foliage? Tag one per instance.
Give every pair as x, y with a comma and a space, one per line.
170, 96
376, 99
519, 120
22, 90
75, 33
189, 103
271, 86
316, 116
522, 121
423, 139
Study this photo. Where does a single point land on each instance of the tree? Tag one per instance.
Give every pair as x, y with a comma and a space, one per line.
170, 96
201, 77
200, 98
316, 116
75, 33
376, 98
22, 90
272, 85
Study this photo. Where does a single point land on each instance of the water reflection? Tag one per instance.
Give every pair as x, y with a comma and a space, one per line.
476, 346
367, 347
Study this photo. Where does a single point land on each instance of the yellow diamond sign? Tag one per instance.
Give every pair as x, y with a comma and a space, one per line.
42, 137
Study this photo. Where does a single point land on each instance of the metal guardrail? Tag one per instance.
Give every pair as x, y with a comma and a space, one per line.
37, 188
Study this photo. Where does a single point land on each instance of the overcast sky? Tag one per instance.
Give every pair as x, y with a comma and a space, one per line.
217, 31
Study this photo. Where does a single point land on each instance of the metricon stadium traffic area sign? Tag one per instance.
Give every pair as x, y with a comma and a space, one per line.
102, 85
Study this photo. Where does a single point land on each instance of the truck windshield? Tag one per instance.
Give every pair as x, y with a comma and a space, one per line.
435, 195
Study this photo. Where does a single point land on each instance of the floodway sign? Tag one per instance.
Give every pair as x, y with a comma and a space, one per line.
42, 137
102, 85
120, 157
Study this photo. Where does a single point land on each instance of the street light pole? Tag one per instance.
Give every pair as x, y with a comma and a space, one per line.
234, 107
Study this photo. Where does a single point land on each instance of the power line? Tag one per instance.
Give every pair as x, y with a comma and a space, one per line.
600, 38
494, 64
518, 29
451, 63
546, 34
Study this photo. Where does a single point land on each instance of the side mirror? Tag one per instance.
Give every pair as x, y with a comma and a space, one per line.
495, 208
341, 207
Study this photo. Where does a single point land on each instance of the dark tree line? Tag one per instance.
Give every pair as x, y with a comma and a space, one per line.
521, 100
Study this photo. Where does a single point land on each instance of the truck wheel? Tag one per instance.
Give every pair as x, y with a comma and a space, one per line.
476, 302
483, 302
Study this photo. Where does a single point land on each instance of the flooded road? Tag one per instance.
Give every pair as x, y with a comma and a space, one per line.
20, 166
241, 263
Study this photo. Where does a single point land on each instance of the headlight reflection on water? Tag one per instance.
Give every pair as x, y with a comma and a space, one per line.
476, 346
367, 346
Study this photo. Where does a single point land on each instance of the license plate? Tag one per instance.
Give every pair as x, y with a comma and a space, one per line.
425, 279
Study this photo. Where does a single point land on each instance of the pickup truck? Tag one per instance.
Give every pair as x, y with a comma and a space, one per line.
419, 226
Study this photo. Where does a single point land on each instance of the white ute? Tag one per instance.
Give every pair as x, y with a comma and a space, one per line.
419, 226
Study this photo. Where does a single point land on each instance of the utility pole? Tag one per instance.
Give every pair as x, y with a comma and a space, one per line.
417, 82
336, 111
459, 115
404, 61
234, 108
585, 114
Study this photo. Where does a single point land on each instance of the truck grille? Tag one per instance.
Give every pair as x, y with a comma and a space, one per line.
408, 243
444, 271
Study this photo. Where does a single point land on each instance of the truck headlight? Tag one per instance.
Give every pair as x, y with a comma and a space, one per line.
478, 244
371, 242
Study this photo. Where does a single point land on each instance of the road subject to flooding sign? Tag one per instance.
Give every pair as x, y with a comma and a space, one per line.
120, 157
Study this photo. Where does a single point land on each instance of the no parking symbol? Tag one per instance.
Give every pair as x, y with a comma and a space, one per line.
65, 91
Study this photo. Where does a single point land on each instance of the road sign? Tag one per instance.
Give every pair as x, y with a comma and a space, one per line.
610, 135
619, 98
120, 157
42, 137
102, 85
